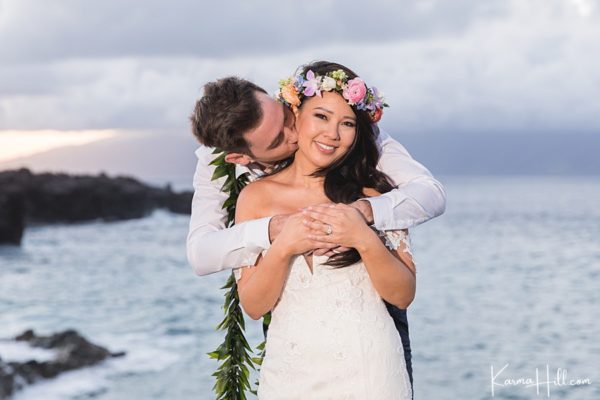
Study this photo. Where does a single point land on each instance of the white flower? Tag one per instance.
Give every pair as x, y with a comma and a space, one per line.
328, 84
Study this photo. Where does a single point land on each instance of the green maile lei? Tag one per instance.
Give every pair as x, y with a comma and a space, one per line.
234, 354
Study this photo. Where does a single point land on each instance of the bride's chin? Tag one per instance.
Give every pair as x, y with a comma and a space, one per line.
320, 160
321, 163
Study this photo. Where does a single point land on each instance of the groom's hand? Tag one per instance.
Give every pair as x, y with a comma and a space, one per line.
361, 205
365, 209
324, 248
277, 223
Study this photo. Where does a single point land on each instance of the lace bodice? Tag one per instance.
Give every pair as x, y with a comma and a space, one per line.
331, 337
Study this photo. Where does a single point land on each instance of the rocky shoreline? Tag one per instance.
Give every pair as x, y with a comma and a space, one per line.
45, 198
73, 351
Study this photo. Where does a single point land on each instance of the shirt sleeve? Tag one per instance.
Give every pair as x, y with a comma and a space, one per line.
211, 246
418, 196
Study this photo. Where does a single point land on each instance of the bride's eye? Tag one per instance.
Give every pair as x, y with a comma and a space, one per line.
349, 124
321, 116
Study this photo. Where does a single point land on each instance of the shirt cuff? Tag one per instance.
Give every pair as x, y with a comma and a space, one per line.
256, 238
383, 213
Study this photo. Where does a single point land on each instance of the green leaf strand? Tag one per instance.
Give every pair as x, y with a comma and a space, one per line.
234, 354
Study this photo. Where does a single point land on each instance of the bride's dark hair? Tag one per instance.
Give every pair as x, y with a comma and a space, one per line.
346, 178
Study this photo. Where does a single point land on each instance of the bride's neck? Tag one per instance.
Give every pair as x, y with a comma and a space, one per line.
301, 171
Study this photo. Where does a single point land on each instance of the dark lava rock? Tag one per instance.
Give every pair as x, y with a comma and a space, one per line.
73, 351
12, 215
52, 198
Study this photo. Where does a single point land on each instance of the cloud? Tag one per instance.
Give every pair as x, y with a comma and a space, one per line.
34, 31
464, 66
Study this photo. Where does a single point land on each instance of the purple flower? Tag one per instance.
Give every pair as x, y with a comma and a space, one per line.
311, 84
377, 98
298, 82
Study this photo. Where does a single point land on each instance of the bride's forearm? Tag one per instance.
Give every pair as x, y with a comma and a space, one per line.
260, 292
392, 278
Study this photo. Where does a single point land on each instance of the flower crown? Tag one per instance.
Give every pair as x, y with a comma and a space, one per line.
293, 90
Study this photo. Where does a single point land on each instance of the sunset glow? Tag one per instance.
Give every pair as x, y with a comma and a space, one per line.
16, 144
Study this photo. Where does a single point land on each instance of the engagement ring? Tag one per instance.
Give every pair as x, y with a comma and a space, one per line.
329, 230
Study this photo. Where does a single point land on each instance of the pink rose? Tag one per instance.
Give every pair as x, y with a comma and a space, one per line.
355, 91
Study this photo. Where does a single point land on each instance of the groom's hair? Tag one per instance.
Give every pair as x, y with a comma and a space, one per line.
227, 109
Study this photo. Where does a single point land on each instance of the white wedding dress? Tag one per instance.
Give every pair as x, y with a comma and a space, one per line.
331, 337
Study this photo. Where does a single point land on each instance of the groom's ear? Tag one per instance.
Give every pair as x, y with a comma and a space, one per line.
238, 158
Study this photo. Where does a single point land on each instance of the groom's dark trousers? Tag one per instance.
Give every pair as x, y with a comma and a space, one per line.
401, 322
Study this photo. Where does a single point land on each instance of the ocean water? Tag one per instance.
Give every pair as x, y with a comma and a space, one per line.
508, 284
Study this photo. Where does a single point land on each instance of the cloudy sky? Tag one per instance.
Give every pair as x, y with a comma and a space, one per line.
115, 67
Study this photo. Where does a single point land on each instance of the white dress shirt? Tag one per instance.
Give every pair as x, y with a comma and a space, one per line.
212, 247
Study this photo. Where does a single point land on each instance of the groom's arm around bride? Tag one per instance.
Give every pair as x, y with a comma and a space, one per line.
213, 247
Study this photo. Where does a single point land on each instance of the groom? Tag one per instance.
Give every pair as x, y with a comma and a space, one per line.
257, 132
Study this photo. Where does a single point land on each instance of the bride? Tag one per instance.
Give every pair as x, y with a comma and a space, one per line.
330, 336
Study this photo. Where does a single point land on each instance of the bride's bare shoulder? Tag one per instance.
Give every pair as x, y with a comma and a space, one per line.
255, 199
370, 192
253, 191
